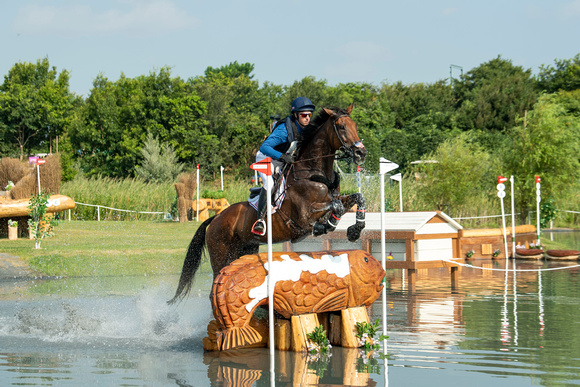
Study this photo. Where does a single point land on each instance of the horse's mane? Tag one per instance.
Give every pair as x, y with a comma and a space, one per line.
317, 122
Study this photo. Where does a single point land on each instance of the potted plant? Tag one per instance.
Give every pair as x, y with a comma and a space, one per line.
12, 229
470, 253
496, 253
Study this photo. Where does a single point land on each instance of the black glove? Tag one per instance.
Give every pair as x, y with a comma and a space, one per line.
286, 158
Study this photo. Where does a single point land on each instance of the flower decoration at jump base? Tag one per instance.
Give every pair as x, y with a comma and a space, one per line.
366, 333
470, 253
496, 253
12, 223
318, 343
9, 186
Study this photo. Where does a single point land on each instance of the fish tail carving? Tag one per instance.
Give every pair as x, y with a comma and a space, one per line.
237, 337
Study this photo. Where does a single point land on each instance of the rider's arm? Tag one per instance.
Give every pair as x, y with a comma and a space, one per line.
278, 136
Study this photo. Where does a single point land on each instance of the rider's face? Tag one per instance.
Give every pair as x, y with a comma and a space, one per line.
303, 118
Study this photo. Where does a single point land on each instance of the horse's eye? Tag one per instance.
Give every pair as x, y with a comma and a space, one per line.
366, 259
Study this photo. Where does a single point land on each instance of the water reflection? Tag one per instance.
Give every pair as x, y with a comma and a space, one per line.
500, 327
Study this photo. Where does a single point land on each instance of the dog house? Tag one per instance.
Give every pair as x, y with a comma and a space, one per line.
414, 240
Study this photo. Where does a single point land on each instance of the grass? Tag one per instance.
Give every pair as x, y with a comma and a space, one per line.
90, 248
97, 249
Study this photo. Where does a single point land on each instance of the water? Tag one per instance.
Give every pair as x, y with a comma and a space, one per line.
497, 328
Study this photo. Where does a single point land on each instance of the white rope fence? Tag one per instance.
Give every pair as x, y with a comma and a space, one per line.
503, 270
98, 206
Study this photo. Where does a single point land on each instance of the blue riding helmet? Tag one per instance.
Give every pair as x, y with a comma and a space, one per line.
302, 104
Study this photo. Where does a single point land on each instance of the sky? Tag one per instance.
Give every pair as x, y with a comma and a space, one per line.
412, 41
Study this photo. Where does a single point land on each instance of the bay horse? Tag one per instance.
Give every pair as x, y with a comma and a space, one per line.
312, 205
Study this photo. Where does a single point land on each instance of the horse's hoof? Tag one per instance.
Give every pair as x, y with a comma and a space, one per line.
318, 229
353, 233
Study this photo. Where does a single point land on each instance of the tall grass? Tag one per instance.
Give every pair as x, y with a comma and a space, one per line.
126, 194
137, 195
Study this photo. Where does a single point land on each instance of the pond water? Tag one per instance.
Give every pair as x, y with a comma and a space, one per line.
500, 328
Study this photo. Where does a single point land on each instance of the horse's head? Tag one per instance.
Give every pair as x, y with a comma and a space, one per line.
346, 135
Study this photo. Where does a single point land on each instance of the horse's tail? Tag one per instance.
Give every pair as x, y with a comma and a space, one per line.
192, 262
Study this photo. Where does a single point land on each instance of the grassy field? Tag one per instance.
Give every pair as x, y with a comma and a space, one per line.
90, 248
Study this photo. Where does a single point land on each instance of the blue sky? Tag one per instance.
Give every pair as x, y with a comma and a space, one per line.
340, 41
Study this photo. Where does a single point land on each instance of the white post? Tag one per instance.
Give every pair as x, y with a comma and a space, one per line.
98, 213
501, 195
398, 177
384, 167
69, 215
38, 173
197, 195
513, 219
538, 200
271, 282
222, 176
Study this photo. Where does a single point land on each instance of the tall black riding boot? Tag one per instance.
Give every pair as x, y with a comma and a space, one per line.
259, 227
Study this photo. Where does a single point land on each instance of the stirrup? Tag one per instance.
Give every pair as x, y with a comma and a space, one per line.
257, 225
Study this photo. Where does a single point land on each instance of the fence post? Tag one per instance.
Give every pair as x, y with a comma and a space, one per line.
98, 213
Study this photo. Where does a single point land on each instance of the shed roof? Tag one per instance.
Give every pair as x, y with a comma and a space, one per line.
404, 221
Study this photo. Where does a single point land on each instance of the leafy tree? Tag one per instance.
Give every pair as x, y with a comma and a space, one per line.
545, 144
493, 95
564, 75
160, 162
461, 169
110, 129
232, 70
35, 105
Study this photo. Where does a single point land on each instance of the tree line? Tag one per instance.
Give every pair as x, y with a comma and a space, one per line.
511, 120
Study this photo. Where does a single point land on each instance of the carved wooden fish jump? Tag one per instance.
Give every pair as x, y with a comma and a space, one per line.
313, 282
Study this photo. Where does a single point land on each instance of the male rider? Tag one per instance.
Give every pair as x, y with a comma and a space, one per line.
286, 130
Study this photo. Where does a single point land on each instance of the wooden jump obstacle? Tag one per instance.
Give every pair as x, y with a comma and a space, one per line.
332, 289
206, 205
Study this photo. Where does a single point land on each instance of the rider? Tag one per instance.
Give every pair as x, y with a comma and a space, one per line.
275, 146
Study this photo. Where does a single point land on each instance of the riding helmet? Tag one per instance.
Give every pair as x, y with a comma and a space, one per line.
302, 104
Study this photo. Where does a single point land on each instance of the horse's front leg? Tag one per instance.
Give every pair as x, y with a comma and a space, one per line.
328, 221
353, 232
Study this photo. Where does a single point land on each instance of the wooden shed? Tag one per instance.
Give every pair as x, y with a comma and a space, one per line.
414, 240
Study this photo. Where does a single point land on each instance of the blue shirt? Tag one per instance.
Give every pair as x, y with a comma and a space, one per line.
277, 137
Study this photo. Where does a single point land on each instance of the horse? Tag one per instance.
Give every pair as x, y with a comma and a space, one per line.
312, 203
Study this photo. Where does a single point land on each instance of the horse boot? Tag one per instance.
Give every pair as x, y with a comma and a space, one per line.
259, 227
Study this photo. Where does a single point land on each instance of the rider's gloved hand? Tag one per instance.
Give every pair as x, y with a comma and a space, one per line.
286, 158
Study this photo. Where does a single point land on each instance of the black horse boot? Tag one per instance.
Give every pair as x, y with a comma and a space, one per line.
259, 227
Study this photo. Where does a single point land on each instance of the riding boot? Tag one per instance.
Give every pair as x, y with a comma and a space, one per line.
259, 227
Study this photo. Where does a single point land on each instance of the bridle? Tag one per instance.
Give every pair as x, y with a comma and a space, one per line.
347, 151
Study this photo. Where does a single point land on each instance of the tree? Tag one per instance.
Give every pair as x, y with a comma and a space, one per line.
493, 95
565, 75
545, 143
110, 129
35, 105
461, 172
160, 162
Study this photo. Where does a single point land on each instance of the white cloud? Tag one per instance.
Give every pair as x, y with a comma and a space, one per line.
141, 18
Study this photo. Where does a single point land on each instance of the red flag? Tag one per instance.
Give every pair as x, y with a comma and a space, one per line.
501, 179
40, 161
263, 166
538, 179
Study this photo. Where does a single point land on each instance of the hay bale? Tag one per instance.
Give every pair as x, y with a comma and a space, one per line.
50, 178
12, 170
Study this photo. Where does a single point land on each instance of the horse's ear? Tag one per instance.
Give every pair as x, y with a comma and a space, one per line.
349, 109
329, 112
